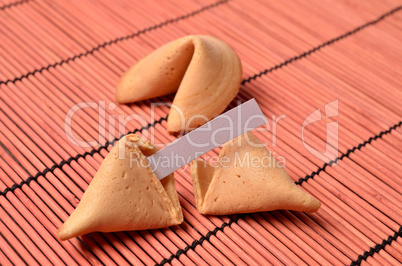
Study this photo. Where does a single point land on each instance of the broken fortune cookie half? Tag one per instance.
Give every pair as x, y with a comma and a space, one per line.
125, 194
205, 71
247, 179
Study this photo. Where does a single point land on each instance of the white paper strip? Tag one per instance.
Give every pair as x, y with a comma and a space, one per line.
216, 132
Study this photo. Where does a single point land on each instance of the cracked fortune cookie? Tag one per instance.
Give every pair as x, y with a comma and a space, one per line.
247, 179
205, 71
125, 194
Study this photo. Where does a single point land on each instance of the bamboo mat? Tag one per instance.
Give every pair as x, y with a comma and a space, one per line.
298, 56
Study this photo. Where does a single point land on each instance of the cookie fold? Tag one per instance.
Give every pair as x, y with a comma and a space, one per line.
205, 71
125, 194
247, 179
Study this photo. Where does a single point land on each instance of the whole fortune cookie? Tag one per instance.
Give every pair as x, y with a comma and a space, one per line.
205, 71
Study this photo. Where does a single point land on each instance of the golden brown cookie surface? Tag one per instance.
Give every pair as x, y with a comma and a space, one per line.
205, 72
248, 179
125, 195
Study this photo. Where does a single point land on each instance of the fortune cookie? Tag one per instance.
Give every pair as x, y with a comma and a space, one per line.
247, 179
125, 194
205, 72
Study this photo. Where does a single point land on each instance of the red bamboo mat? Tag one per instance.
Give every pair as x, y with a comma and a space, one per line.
297, 56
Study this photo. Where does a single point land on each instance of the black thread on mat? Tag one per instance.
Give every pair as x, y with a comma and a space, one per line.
323, 45
14, 4
127, 37
377, 248
348, 152
299, 182
68, 161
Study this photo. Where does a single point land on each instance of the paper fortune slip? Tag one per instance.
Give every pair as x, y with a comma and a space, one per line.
216, 132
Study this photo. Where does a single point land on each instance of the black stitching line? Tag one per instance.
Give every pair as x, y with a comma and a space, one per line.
377, 248
348, 152
64, 162
299, 182
103, 45
14, 4
323, 45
